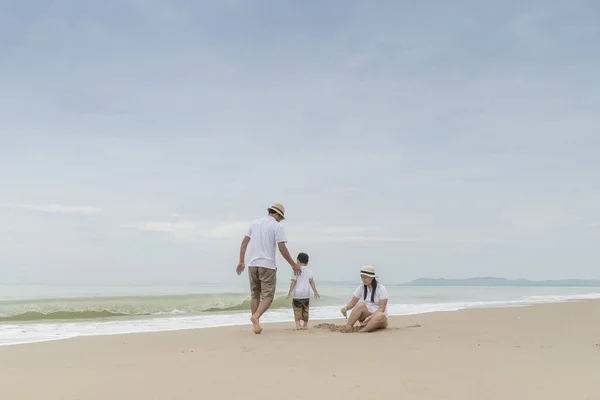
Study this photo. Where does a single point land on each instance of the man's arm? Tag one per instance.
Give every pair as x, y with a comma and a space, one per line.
286, 254
292, 285
240, 267
314, 288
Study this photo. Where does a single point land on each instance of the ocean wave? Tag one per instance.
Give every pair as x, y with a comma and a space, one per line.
223, 305
115, 307
58, 315
216, 310
278, 302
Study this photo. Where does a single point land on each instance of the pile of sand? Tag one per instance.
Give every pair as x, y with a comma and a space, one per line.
338, 328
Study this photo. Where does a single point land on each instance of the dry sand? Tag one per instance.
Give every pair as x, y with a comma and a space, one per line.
540, 352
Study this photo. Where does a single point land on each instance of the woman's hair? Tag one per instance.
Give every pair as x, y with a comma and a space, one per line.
374, 284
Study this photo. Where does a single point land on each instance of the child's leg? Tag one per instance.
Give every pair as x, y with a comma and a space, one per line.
305, 315
297, 308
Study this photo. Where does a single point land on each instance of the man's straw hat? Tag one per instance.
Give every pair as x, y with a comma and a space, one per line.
278, 208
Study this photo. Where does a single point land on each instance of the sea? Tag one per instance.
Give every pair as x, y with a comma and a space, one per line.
36, 313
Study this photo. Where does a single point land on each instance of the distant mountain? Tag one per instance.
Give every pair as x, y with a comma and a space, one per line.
492, 281
341, 283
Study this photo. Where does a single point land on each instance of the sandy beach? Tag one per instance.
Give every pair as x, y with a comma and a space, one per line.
549, 351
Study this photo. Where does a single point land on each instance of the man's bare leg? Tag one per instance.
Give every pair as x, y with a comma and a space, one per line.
255, 318
254, 305
298, 327
304, 325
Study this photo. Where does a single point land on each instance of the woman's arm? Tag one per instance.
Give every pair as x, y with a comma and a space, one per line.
382, 305
350, 305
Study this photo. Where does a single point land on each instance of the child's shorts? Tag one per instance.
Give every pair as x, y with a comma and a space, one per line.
300, 307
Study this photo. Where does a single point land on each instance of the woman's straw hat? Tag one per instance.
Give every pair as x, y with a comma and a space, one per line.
278, 208
367, 270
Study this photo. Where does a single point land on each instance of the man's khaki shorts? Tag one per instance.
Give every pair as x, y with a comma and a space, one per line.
262, 282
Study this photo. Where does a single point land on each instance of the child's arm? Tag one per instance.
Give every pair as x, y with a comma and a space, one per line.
314, 288
292, 285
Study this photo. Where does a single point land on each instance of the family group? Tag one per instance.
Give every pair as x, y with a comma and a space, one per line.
258, 250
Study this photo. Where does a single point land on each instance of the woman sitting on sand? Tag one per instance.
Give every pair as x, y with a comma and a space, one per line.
372, 311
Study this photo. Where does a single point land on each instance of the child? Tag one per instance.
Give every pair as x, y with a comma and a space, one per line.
300, 289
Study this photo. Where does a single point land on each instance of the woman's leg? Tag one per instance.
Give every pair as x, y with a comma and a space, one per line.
379, 321
359, 313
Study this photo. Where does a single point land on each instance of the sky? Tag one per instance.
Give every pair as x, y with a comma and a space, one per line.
139, 138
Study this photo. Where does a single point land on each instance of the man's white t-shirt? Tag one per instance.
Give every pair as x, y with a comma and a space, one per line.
264, 235
302, 288
380, 294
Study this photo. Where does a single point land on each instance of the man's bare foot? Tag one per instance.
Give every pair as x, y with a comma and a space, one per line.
255, 325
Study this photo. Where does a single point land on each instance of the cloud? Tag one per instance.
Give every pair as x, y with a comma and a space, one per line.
462, 143
367, 239
341, 230
56, 208
373, 239
364, 239
192, 231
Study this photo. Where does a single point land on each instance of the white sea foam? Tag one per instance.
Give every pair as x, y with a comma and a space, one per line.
28, 332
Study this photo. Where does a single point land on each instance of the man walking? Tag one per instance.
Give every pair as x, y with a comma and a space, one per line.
260, 242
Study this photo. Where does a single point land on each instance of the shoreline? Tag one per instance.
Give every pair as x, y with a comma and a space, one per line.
545, 351
506, 304
264, 324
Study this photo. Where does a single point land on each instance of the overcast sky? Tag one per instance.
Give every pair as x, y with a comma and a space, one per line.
139, 138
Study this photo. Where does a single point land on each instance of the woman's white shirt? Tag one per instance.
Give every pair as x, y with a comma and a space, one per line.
380, 294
